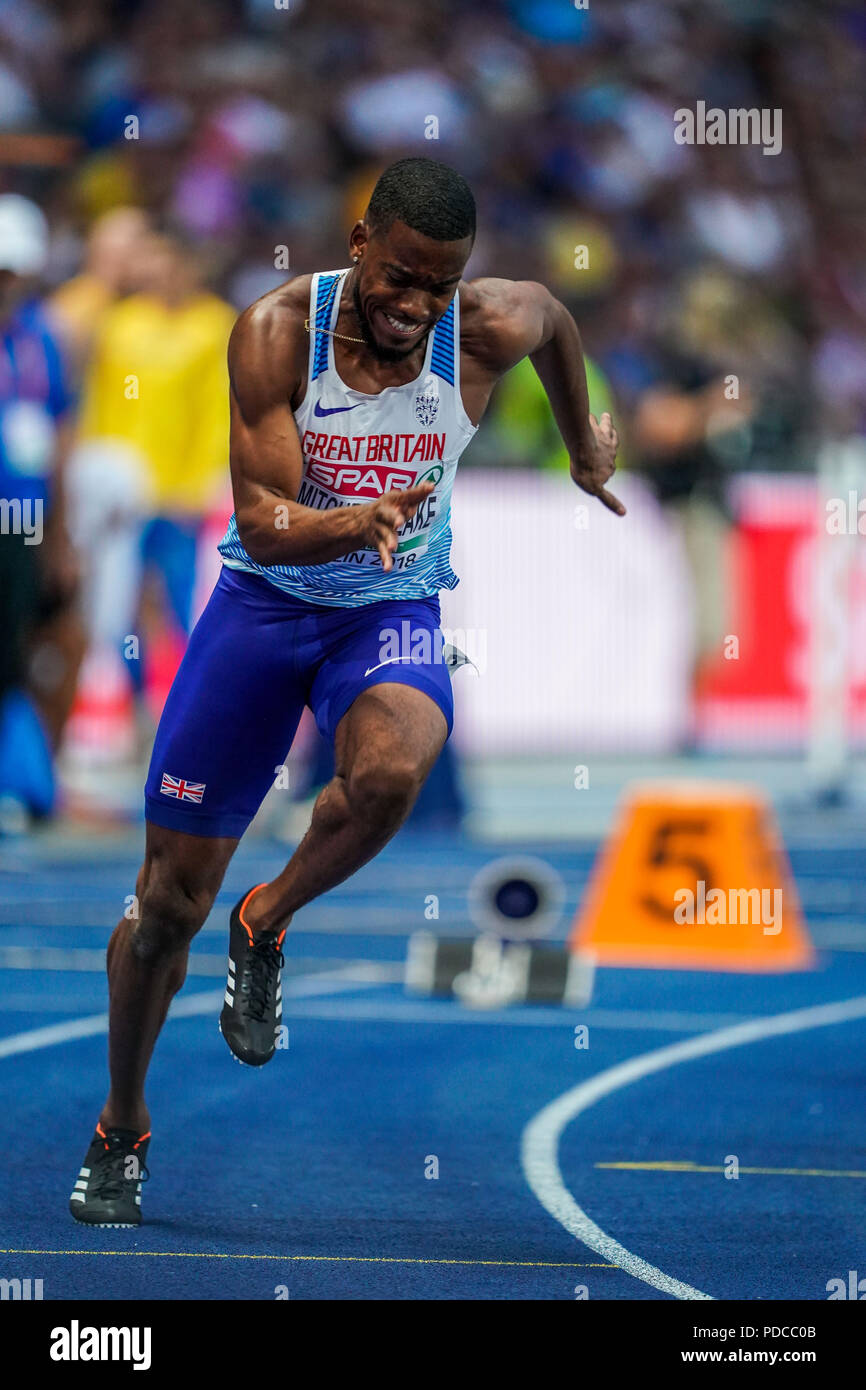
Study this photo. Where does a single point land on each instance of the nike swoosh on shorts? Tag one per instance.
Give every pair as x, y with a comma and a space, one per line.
389, 662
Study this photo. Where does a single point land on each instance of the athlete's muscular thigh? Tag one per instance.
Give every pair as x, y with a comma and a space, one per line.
388, 741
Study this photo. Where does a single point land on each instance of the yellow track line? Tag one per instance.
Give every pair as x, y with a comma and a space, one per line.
674, 1166
333, 1259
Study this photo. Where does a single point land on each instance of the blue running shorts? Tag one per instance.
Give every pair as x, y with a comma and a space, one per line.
255, 658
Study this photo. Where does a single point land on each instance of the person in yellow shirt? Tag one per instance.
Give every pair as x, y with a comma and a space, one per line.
111, 257
156, 391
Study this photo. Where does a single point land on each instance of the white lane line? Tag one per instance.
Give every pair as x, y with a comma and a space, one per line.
540, 1143
399, 1010
85, 960
330, 981
341, 920
62, 911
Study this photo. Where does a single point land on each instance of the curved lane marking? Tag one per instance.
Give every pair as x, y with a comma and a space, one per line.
540, 1142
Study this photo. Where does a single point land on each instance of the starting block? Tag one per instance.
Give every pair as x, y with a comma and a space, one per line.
486, 972
694, 877
511, 902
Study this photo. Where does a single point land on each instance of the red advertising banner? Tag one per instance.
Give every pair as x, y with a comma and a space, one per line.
762, 695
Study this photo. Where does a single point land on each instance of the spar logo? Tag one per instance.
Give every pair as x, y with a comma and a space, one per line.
353, 480
325, 482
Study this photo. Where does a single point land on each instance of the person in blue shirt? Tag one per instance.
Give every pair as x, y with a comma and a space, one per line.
41, 637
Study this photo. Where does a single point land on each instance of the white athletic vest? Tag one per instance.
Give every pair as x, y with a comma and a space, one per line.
357, 447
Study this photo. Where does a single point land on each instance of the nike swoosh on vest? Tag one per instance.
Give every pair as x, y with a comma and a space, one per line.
320, 410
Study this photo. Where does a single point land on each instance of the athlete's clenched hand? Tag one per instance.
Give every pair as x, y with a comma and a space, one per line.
381, 520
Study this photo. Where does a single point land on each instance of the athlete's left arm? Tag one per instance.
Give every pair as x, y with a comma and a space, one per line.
525, 320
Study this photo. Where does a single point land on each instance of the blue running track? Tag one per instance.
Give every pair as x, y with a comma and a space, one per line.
307, 1178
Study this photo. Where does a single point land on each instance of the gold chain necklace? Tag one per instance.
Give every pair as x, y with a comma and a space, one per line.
329, 331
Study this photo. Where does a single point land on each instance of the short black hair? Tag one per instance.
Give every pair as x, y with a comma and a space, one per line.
429, 197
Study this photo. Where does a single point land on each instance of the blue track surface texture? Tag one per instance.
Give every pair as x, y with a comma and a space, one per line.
307, 1178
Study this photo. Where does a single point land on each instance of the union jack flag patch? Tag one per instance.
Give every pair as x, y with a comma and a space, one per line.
183, 790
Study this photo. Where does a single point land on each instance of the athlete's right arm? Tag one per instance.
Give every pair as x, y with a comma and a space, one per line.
266, 349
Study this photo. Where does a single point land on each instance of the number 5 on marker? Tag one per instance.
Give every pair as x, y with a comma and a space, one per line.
679, 844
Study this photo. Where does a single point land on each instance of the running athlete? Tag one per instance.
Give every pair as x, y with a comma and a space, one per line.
353, 394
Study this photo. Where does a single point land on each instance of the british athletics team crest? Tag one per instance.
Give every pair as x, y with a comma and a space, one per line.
426, 406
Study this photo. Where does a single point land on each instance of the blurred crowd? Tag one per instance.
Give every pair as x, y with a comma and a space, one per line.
165, 162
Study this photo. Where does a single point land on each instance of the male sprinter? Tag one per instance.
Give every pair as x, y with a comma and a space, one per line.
353, 395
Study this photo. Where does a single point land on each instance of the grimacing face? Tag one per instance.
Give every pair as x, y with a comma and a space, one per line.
404, 282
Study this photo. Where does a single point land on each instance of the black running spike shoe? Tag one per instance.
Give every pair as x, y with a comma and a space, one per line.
108, 1189
250, 1018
